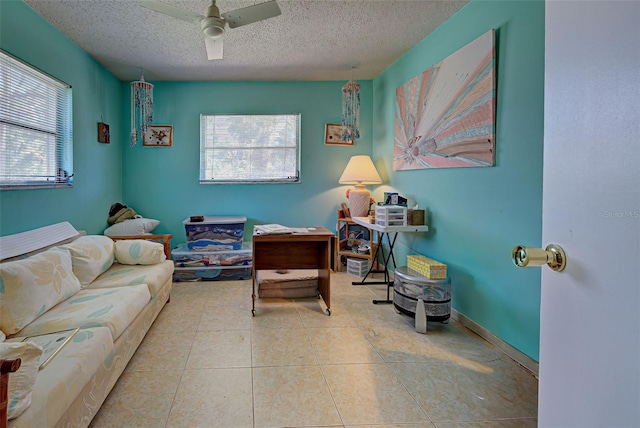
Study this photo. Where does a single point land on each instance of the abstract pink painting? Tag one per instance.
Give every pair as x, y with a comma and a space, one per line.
445, 117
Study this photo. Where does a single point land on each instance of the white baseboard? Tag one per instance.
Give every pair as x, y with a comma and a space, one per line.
522, 359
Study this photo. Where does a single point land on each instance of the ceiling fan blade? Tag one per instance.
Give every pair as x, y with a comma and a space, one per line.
214, 48
166, 9
251, 14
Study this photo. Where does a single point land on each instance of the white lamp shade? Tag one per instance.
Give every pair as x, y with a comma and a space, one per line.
360, 170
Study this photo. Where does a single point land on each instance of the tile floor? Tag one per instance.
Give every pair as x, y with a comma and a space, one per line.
207, 363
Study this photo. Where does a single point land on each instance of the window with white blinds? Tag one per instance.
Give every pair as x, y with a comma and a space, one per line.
36, 129
250, 148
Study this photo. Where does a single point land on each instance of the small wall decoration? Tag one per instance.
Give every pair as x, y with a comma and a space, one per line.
159, 136
445, 117
103, 133
333, 135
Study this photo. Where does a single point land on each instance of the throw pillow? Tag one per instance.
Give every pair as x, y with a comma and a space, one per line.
132, 227
139, 252
21, 382
34, 285
91, 255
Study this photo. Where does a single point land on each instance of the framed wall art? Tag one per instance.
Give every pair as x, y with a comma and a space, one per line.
445, 117
103, 133
332, 135
159, 136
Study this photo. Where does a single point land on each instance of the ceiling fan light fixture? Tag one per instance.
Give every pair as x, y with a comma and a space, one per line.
212, 27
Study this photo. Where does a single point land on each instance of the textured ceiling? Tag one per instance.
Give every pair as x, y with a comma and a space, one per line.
311, 40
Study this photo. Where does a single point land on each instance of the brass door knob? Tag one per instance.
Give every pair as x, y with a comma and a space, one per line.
553, 256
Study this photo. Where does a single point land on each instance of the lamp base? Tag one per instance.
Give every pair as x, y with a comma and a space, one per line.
359, 201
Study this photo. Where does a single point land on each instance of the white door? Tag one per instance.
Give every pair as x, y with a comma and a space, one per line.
590, 312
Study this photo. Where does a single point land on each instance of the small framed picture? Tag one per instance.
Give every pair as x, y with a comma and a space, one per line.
103, 133
332, 135
159, 136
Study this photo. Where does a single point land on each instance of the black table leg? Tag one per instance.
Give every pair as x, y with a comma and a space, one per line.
389, 283
371, 269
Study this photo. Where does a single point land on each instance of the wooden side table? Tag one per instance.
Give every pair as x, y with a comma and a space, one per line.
342, 248
311, 249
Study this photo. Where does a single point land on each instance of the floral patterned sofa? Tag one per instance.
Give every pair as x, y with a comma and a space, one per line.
112, 289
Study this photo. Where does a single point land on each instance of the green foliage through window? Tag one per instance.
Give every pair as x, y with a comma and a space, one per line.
36, 142
249, 148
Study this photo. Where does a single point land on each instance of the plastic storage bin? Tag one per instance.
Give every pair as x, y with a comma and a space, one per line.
391, 215
409, 286
224, 265
357, 267
215, 233
233, 273
185, 258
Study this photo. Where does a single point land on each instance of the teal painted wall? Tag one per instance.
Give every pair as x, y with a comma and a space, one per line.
477, 215
96, 95
162, 183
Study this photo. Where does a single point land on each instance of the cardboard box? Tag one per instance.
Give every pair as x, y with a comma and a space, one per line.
415, 217
428, 267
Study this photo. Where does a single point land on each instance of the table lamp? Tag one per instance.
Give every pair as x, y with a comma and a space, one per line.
360, 171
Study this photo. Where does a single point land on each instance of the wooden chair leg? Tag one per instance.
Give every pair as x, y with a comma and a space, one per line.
6, 367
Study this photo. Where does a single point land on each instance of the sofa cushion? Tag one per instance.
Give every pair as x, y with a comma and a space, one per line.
21, 383
92, 255
139, 252
113, 308
31, 286
118, 275
67, 375
132, 227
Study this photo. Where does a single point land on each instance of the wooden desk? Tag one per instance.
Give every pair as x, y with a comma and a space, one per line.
310, 250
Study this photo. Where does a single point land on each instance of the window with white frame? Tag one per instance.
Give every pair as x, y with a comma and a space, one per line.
36, 129
250, 148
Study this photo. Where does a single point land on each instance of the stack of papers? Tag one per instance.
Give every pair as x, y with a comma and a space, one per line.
272, 229
277, 229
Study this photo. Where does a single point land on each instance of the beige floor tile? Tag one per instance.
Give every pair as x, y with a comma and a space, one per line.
162, 351
371, 394
220, 349
272, 347
227, 293
139, 399
213, 398
418, 425
402, 344
313, 317
276, 314
342, 345
176, 317
450, 392
363, 366
225, 317
348, 293
366, 314
505, 423
461, 345
186, 289
291, 397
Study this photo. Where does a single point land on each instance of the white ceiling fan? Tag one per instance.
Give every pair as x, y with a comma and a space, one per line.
213, 24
